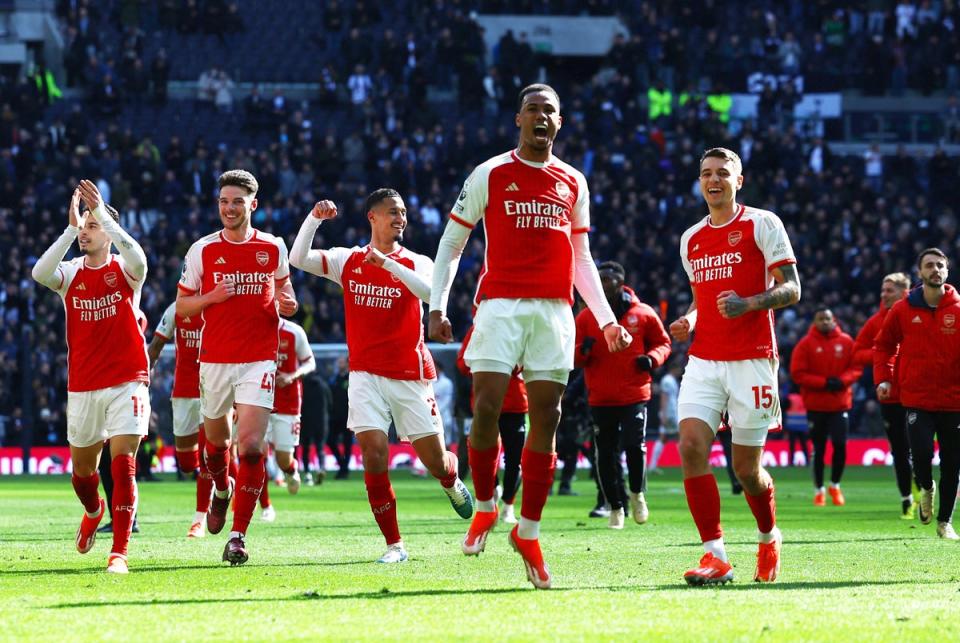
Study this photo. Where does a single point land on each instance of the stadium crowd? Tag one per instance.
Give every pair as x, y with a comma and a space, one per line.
372, 122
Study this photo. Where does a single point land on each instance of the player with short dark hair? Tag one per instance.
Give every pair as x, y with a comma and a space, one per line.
741, 267
535, 212
391, 369
823, 366
618, 388
238, 279
923, 330
107, 368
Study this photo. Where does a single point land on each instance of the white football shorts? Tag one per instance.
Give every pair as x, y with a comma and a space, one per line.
375, 400
186, 416
223, 385
283, 432
747, 390
537, 334
95, 416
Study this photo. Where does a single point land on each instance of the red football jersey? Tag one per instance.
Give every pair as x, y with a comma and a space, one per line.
186, 334
384, 319
294, 350
244, 328
529, 212
737, 256
105, 345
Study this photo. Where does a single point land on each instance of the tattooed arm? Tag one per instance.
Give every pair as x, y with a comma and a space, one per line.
785, 292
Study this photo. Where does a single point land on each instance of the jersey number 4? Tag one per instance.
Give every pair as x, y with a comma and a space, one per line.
763, 397
267, 382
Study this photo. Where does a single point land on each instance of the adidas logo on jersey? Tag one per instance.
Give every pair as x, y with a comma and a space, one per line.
220, 261
513, 187
357, 271
82, 287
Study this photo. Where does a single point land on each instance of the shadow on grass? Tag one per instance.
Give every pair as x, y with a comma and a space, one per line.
97, 571
311, 596
390, 594
752, 586
787, 542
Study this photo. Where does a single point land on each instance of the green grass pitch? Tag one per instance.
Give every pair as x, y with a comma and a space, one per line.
849, 573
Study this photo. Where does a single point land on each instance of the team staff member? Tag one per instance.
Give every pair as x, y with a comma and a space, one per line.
823, 367
618, 389
925, 326
894, 288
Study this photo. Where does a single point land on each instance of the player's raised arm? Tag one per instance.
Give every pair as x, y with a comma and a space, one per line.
418, 281
134, 258
45, 271
301, 254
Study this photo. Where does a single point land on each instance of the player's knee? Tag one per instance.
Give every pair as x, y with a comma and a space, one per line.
692, 448
485, 409
748, 473
374, 459
250, 446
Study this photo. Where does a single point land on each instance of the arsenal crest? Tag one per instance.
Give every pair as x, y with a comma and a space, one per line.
734, 237
111, 279
949, 320
262, 258
563, 190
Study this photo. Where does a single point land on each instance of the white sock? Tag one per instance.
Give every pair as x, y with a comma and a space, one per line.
771, 536
92, 515
657, 452
486, 505
834, 485
199, 517
528, 529
235, 534
716, 548
221, 494
821, 490
905, 498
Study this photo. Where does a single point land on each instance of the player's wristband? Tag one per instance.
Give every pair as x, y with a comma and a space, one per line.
691, 318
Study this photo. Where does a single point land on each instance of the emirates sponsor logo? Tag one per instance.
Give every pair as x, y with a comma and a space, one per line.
111, 279
713, 267
538, 208
563, 190
262, 258
96, 303
248, 283
734, 237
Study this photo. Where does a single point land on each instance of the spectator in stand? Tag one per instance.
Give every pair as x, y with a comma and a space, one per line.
922, 331
618, 387
894, 288
822, 365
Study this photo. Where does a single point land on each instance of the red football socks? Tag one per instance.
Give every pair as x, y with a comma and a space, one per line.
88, 491
265, 492
703, 498
483, 468
204, 479
218, 462
383, 504
536, 471
124, 470
451, 461
188, 461
249, 485
764, 508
